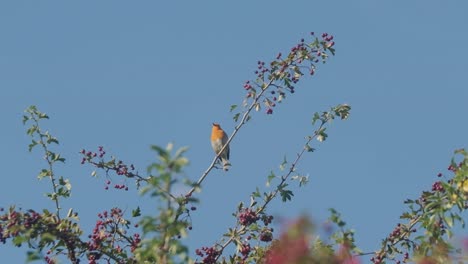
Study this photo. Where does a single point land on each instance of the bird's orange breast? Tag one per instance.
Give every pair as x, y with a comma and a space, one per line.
216, 133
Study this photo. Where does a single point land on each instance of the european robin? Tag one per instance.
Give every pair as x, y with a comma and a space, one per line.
218, 139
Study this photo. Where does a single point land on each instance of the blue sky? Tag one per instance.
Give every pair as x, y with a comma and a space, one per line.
127, 75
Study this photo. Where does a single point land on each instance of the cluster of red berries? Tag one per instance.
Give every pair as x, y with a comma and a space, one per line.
135, 242
395, 234
437, 187
118, 167
267, 219
283, 73
328, 39
441, 226
123, 169
93, 256
30, 218
452, 168
16, 218
247, 217
209, 254
261, 69
245, 250
88, 155
99, 235
247, 85
117, 186
104, 234
405, 257
376, 259
49, 260
398, 231
32, 221
266, 235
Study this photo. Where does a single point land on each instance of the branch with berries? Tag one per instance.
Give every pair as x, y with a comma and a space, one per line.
279, 78
248, 226
158, 184
430, 220
270, 87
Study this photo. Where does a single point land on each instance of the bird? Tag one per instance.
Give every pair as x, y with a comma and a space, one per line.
219, 138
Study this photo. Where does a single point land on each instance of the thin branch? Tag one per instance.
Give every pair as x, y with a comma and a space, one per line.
242, 229
236, 129
49, 162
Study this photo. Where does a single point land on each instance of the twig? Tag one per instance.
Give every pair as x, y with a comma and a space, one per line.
236, 129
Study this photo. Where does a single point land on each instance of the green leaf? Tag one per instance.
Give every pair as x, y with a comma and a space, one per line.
33, 256
270, 178
159, 150
233, 107
25, 119
18, 240
31, 130
180, 152
42, 115
342, 111
32, 145
309, 148
136, 212
48, 238
65, 182
52, 140
406, 215
448, 220
286, 195
236, 117
321, 135
315, 43
315, 118
63, 192
283, 164
43, 173
31, 109
56, 157
303, 180
256, 193
253, 202
408, 201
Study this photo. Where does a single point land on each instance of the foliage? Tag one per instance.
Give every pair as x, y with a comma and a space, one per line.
131, 237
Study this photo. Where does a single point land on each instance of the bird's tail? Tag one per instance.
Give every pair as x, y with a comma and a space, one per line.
226, 164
